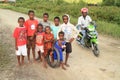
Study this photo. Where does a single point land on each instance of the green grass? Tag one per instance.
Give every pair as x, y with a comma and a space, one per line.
58, 8
87, 1
109, 29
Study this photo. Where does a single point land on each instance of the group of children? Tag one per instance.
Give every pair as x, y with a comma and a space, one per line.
42, 37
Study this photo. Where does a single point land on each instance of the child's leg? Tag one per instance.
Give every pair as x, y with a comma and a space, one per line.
39, 55
22, 59
44, 61
62, 65
68, 51
28, 49
33, 50
18, 58
28, 54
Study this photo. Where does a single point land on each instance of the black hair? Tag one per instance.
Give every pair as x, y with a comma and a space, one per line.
39, 25
57, 18
30, 11
64, 16
46, 14
47, 27
21, 18
61, 32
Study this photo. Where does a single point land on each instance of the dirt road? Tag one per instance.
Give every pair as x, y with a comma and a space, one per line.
83, 64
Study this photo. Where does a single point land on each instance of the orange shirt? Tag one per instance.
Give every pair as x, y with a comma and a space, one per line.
50, 36
21, 35
40, 38
31, 26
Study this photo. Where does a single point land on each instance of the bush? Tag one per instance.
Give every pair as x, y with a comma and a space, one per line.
110, 14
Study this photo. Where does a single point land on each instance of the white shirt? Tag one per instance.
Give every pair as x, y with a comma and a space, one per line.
69, 30
84, 22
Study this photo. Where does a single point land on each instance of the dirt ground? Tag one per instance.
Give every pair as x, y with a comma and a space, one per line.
83, 64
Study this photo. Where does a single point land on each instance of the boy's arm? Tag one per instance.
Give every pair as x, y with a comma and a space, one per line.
16, 47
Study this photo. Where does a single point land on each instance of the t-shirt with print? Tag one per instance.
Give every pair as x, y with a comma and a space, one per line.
21, 35
31, 26
55, 30
40, 38
50, 36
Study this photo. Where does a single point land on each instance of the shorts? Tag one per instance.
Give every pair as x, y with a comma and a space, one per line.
22, 50
40, 48
30, 43
68, 47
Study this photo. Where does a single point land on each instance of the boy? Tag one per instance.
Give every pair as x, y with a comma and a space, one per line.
45, 21
84, 21
31, 25
20, 36
55, 27
70, 33
60, 45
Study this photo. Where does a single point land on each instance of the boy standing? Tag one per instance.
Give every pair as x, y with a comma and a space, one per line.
20, 36
45, 21
70, 33
55, 27
31, 25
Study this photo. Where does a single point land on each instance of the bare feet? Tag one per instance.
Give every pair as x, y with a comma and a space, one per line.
45, 66
67, 65
18, 65
63, 68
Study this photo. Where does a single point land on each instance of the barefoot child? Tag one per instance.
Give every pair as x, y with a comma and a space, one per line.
70, 33
20, 36
40, 42
60, 45
48, 41
31, 25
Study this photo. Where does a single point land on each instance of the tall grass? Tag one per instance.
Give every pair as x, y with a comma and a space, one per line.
109, 29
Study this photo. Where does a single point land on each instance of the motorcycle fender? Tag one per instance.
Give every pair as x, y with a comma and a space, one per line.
94, 41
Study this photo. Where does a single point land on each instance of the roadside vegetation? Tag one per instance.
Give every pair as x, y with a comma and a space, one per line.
107, 17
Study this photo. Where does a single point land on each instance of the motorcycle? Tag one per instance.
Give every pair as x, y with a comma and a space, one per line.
90, 39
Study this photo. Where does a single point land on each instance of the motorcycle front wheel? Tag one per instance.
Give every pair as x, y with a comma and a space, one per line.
96, 50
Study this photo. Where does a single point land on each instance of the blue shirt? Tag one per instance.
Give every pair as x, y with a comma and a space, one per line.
55, 30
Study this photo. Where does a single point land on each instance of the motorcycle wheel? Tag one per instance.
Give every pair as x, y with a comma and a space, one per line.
52, 62
96, 50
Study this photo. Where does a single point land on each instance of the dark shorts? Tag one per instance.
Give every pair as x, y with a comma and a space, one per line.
68, 47
30, 42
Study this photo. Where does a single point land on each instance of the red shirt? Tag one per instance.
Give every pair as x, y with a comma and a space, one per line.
21, 35
31, 26
40, 38
50, 36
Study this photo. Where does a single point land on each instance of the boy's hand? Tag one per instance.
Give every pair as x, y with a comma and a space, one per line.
71, 40
16, 48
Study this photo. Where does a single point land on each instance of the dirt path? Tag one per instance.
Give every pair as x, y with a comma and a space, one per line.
83, 64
